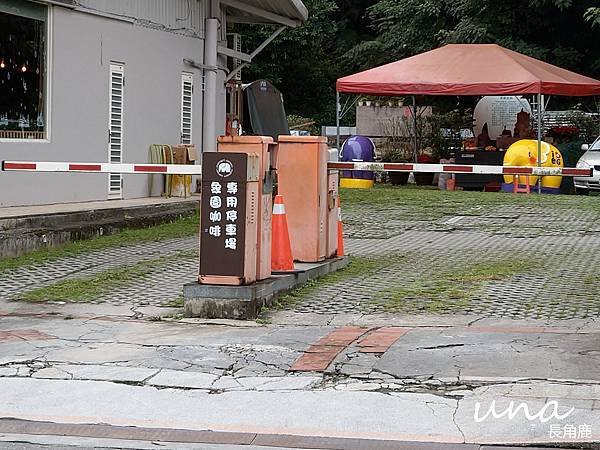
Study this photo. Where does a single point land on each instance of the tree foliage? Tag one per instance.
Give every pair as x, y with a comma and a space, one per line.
550, 30
299, 61
345, 36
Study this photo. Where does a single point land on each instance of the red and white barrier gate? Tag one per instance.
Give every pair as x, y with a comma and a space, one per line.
184, 169
168, 169
458, 168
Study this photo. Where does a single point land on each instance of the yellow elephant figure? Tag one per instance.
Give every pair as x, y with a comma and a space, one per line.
525, 153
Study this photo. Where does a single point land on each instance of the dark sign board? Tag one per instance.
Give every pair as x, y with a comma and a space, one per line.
223, 214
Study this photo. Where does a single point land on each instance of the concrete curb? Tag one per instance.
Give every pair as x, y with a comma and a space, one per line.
22, 234
245, 302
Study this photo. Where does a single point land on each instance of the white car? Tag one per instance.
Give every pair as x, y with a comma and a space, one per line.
590, 159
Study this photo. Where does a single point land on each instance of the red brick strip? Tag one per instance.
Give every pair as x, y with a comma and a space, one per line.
321, 354
23, 335
380, 340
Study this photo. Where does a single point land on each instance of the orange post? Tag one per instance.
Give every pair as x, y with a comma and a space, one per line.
450, 184
281, 251
517, 188
340, 250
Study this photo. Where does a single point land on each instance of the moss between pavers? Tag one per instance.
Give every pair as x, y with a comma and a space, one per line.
86, 289
416, 288
358, 267
420, 200
185, 227
448, 291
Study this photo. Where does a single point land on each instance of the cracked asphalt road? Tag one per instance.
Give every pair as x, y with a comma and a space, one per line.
423, 386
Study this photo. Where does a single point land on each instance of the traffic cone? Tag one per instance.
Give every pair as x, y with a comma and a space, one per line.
340, 251
281, 249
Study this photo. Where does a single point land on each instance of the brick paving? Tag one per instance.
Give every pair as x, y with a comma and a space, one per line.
561, 284
413, 246
162, 283
381, 339
23, 335
559, 246
320, 355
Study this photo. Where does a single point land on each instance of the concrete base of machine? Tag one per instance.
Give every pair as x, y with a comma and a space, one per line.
245, 302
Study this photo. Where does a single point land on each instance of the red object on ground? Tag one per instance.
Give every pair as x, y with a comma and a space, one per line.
469, 69
320, 355
492, 186
380, 340
517, 189
281, 249
340, 235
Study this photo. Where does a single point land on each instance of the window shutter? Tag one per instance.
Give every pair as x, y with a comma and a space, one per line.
115, 129
187, 90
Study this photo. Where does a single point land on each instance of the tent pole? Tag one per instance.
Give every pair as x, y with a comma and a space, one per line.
540, 101
337, 120
414, 104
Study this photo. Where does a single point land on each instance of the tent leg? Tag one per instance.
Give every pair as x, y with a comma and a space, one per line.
414, 105
337, 120
540, 101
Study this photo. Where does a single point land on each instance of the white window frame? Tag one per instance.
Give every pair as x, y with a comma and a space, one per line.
187, 77
115, 67
47, 83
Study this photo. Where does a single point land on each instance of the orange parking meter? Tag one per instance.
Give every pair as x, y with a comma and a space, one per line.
310, 193
261, 146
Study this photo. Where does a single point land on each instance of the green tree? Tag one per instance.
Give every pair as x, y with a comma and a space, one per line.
299, 62
344, 36
551, 30
592, 15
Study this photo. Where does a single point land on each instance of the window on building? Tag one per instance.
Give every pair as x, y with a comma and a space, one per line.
187, 90
22, 70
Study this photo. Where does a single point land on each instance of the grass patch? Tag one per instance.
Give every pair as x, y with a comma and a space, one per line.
448, 291
358, 267
419, 201
174, 303
87, 289
492, 270
187, 226
433, 291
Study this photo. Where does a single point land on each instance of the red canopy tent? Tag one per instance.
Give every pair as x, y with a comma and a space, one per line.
468, 69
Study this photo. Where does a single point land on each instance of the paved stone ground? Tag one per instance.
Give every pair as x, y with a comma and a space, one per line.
161, 285
415, 249
418, 254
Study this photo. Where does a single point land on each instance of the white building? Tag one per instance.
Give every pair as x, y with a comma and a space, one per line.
102, 80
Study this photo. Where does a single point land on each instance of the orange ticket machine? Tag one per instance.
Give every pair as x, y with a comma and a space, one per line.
265, 149
310, 193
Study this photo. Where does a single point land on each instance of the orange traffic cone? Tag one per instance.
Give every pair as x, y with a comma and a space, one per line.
281, 249
340, 251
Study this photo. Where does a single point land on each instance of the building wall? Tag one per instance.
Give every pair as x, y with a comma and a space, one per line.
385, 120
82, 47
185, 17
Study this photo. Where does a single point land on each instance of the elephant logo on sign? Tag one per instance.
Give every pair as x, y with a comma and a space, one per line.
224, 168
